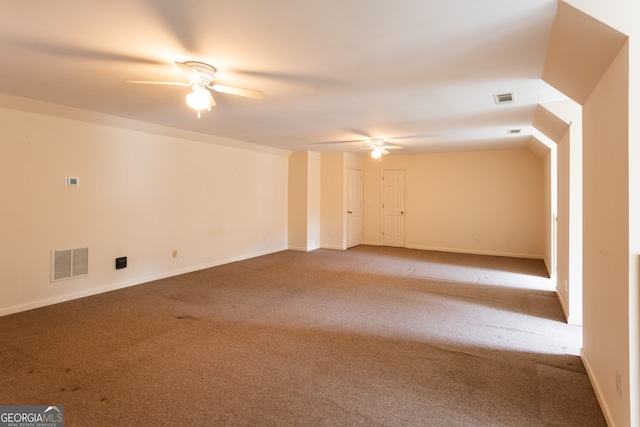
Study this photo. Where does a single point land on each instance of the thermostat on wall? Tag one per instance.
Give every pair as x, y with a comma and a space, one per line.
73, 181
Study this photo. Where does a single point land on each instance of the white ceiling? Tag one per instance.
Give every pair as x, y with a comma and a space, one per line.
420, 73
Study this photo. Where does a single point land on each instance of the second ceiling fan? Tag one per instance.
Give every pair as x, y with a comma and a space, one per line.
378, 148
201, 77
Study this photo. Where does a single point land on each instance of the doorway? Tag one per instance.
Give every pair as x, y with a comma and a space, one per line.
393, 207
354, 207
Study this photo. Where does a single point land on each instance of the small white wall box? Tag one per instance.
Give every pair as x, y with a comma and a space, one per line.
72, 181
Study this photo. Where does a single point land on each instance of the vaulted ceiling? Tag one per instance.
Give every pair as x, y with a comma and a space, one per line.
334, 73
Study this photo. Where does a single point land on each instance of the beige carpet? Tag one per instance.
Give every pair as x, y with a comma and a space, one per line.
371, 336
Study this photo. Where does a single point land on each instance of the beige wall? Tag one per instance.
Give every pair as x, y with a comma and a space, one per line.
606, 238
570, 230
333, 172
563, 223
561, 121
633, 11
141, 195
313, 202
451, 198
550, 185
298, 194
609, 49
332, 207
304, 201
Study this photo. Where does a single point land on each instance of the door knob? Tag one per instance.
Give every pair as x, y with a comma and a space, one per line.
401, 212
349, 212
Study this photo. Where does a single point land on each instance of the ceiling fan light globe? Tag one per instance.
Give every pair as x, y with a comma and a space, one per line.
376, 154
198, 100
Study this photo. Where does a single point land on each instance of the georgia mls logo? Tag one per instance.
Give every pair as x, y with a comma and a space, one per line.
57, 412
31, 416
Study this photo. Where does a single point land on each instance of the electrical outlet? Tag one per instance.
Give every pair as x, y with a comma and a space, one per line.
477, 238
331, 234
174, 254
566, 286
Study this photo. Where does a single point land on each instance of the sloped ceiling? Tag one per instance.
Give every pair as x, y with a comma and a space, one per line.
581, 50
549, 124
421, 74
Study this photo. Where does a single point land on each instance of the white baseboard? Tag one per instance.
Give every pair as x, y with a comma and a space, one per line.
596, 388
565, 311
5, 311
574, 320
476, 252
298, 248
333, 247
546, 264
465, 251
571, 320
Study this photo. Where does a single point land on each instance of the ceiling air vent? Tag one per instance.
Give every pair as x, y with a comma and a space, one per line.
515, 131
504, 98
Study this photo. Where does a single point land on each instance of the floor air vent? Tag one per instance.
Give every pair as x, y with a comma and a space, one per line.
67, 263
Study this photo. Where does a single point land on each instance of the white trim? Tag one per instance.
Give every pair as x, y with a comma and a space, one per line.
596, 388
563, 305
298, 248
115, 286
334, 247
17, 103
571, 320
476, 252
547, 265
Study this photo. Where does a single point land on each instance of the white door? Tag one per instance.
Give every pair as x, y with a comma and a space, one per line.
354, 208
393, 183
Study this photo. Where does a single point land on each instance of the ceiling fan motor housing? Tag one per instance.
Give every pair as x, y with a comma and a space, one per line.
206, 72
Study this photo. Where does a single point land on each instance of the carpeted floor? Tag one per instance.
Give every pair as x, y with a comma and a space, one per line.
371, 336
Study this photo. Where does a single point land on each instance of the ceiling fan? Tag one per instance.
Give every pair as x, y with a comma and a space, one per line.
378, 148
201, 77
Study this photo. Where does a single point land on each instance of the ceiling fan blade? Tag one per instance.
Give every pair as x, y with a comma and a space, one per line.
79, 53
148, 82
249, 93
345, 142
211, 100
177, 21
416, 136
392, 147
189, 71
383, 151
